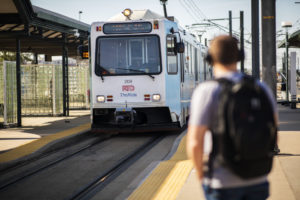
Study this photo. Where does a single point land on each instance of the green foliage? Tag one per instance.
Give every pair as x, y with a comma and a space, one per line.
11, 56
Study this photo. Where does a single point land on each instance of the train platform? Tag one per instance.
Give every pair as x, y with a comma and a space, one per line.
172, 178
175, 178
39, 133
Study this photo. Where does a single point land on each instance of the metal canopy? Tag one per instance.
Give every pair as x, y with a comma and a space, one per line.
294, 40
40, 31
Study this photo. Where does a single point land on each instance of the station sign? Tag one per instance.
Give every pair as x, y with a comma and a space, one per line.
125, 28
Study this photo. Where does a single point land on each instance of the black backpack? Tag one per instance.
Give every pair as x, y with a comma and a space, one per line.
245, 133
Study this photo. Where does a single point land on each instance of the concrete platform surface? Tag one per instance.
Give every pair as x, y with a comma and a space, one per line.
37, 132
284, 178
285, 175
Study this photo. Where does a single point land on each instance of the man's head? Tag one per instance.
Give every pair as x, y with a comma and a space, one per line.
224, 50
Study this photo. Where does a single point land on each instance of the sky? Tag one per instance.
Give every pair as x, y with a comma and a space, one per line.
187, 12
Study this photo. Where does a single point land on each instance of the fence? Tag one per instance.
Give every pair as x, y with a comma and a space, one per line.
79, 79
1, 94
8, 98
41, 89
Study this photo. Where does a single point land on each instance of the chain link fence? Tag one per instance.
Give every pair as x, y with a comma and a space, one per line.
1, 94
8, 98
79, 78
41, 90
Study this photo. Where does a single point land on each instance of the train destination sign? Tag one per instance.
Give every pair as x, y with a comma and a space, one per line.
123, 28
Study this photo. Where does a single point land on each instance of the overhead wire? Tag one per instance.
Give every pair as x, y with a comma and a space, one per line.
186, 8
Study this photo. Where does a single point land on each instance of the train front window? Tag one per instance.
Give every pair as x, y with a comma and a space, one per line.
127, 55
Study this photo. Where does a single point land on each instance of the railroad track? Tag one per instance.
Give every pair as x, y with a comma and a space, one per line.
6, 183
104, 178
133, 148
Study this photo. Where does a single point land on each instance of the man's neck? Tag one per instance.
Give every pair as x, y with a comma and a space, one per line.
220, 69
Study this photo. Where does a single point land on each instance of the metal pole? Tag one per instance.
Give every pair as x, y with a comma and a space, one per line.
67, 82
64, 79
242, 37
165, 10
79, 15
230, 23
269, 43
287, 64
36, 60
255, 38
18, 74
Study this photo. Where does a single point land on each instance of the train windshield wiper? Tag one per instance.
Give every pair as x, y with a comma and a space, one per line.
99, 69
136, 70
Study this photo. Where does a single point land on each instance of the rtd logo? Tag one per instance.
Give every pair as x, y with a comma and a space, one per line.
128, 88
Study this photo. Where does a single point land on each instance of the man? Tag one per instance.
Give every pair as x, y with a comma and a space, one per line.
224, 184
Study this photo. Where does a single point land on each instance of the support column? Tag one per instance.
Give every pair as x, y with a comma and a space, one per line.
67, 81
65, 78
18, 78
269, 44
230, 22
287, 74
242, 37
36, 58
48, 58
255, 38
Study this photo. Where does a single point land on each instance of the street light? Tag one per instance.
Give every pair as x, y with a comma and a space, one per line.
164, 2
286, 25
79, 15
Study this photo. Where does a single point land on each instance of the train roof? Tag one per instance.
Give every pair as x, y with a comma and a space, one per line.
137, 15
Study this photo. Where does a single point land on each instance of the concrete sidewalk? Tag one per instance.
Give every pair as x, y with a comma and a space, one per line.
285, 175
34, 128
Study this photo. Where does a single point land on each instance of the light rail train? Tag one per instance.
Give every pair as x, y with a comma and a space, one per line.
144, 69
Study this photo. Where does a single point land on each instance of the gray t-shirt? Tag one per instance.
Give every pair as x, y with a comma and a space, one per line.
203, 112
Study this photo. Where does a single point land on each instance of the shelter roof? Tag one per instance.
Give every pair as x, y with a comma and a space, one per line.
294, 40
40, 30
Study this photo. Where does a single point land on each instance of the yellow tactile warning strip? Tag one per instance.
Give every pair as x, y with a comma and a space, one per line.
167, 179
37, 144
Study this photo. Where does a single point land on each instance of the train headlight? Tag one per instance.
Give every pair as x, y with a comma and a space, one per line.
100, 98
127, 13
156, 97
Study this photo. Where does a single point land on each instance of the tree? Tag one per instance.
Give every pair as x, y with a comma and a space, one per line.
11, 56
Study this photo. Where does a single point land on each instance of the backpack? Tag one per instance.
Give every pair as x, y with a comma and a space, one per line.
245, 133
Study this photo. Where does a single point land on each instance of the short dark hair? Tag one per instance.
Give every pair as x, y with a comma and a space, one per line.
224, 49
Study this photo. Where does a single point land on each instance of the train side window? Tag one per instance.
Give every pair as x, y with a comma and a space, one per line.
186, 58
196, 65
190, 59
182, 60
172, 55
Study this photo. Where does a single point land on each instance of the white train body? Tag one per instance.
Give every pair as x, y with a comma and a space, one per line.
138, 81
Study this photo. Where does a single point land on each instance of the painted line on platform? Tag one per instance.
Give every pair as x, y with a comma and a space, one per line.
167, 179
31, 147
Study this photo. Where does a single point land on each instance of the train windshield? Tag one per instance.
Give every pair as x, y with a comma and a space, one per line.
121, 55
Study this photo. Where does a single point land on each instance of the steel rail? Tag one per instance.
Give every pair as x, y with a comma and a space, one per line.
95, 186
50, 164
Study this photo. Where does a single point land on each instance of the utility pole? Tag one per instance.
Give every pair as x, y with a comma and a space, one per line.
287, 25
255, 38
268, 10
242, 37
230, 22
